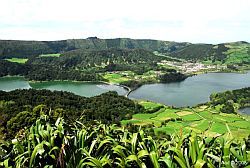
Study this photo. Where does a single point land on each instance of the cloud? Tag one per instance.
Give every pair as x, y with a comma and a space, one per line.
209, 21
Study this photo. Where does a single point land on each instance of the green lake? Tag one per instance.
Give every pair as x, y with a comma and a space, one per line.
86, 89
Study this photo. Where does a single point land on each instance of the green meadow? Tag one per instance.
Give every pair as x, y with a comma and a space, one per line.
202, 120
50, 55
123, 76
238, 53
18, 60
116, 77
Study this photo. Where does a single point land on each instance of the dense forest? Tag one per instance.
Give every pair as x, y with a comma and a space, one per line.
173, 76
45, 72
101, 60
229, 98
13, 68
20, 108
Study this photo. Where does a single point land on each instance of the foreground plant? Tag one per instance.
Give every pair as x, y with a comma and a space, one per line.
59, 145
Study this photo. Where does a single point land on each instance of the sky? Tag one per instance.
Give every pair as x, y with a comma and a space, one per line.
196, 21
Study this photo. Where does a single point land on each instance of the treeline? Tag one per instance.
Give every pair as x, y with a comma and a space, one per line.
45, 72
228, 98
172, 76
167, 77
20, 108
12, 68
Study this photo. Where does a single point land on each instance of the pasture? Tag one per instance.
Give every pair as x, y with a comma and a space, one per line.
17, 60
202, 120
116, 77
50, 55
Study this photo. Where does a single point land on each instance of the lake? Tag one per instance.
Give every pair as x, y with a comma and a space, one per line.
245, 110
86, 89
192, 91
12, 83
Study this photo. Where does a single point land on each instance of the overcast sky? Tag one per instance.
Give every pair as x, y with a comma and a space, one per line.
198, 21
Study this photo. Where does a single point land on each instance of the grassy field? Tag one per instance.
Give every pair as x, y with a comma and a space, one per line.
116, 77
122, 76
203, 120
18, 60
50, 55
150, 105
238, 53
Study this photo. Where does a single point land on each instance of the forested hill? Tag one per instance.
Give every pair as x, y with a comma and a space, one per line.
81, 59
25, 49
20, 108
238, 52
230, 100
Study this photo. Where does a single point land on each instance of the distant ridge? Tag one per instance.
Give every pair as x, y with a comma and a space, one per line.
184, 50
20, 48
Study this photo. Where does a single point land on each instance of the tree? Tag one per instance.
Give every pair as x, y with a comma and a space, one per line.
228, 107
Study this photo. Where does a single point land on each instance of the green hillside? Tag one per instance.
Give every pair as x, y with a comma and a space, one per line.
238, 53
20, 108
228, 53
26, 49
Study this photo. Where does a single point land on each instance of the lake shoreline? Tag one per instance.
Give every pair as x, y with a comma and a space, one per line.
244, 110
129, 89
190, 92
